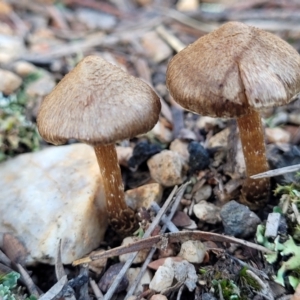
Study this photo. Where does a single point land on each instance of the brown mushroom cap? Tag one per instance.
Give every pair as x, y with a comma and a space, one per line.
233, 68
97, 103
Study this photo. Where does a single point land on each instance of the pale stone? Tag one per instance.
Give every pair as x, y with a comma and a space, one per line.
207, 212
185, 273
52, 195
131, 275
181, 147
158, 297
220, 139
144, 195
173, 272
162, 279
193, 251
141, 255
161, 132
24, 68
41, 87
208, 123
155, 47
203, 193
187, 5
11, 47
166, 168
124, 153
277, 135
9, 82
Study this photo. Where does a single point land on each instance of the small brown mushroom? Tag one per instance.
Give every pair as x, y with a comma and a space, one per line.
233, 72
97, 103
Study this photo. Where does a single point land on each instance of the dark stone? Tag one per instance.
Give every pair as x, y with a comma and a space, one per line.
199, 157
238, 220
141, 153
109, 277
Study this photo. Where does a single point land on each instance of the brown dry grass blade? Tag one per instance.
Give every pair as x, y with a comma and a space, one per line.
177, 237
14, 249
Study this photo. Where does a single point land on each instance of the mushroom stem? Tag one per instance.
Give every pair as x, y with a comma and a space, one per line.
122, 218
254, 192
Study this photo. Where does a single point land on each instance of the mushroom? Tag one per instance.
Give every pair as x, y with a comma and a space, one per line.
233, 72
97, 103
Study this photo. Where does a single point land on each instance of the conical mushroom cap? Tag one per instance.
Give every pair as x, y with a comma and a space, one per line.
97, 103
233, 68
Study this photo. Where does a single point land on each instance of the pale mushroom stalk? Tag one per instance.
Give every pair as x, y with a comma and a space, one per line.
253, 145
121, 217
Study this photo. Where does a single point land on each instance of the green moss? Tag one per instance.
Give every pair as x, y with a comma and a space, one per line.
9, 289
17, 134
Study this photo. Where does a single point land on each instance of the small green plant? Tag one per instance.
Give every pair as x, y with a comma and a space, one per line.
9, 289
285, 249
17, 134
227, 287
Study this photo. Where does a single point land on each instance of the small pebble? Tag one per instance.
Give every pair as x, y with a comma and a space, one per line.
193, 251
238, 220
162, 279
9, 82
203, 193
24, 68
158, 297
156, 49
109, 276
144, 195
199, 157
277, 135
166, 168
141, 153
207, 212
272, 225
131, 275
181, 147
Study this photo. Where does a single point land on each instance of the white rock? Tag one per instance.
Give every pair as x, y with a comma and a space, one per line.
203, 193
141, 255
10, 48
24, 68
162, 279
181, 271
277, 135
144, 195
193, 251
9, 82
272, 225
131, 275
181, 147
155, 47
185, 272
124, 153
41, 87
220, 139
166, 168
51, 195
207, 212
187, 5
161, 132
158, 297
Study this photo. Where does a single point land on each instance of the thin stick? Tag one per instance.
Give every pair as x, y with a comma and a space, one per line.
165, 220
137, 280
277, 172
96, 290
148, 232
172, 40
